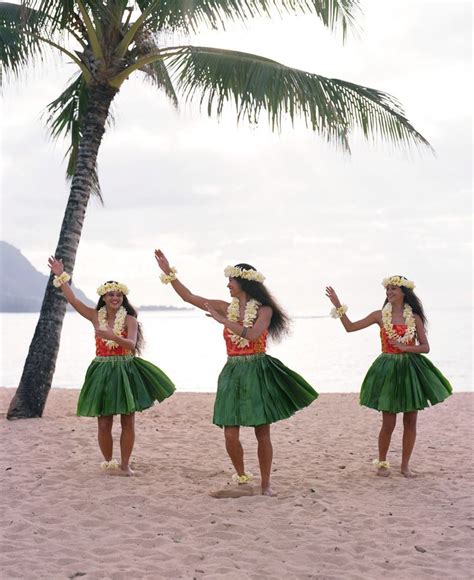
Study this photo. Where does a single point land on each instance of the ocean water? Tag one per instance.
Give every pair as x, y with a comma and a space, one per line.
189, 347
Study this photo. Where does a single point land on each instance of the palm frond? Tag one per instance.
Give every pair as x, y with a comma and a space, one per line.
156, 71
65, 119
331, 107
18, 43
189, 16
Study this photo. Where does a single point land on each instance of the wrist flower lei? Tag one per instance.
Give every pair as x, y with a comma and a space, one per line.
409, 318
339, 312
119, 324
233, 312
167, 278
58, 281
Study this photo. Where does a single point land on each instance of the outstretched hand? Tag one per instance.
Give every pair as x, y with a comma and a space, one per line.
213, 313
162, 261
331, 294
56, 266
104, 333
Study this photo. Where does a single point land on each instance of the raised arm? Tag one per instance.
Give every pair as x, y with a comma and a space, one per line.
184, 293
57, 268
373, 318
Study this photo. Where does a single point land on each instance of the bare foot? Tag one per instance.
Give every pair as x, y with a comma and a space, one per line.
382, 467
268, 491
405, 471
383, 471
123, 471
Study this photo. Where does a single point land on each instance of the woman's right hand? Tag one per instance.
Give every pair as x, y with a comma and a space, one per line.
331, 294
56, 266
162, 261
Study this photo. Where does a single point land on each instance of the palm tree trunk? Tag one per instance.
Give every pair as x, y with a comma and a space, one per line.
30, 397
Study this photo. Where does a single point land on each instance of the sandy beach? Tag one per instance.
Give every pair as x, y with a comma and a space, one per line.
63, 517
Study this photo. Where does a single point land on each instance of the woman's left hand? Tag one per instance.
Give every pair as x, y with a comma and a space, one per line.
212, 313
104, 334
398, 344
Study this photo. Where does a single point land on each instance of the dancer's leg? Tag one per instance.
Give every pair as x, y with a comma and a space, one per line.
409, 438
389, 420
265, 456
234, 448
127, 440
104, 435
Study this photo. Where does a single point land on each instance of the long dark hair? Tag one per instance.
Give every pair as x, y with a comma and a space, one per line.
130, 310
412, 299
280, 322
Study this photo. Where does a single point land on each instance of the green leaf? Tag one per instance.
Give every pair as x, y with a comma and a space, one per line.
254, 84
18, 45
65, 119
156, 71
189, 16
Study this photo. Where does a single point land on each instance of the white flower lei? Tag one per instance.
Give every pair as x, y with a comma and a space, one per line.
409, 321
233, 312
112, 287
119, 324
398, 281
235, 272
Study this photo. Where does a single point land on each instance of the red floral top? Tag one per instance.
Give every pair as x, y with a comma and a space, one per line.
255, 347
101, 349
387, 348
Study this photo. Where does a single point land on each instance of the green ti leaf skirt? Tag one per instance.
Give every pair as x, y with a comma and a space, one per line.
400, 383
259, 389
120, 385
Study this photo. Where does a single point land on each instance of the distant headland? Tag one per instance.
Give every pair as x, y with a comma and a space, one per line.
22, 286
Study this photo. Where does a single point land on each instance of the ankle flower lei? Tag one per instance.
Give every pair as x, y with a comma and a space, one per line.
409, 321
233, 312
119, 324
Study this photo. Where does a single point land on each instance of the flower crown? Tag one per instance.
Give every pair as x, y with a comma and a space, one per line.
112, 287
236, 272
398, 281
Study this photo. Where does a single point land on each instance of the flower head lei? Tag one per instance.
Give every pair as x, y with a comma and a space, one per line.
119, 323
236, 272
409, 318
233, 312
398, 281
112, 287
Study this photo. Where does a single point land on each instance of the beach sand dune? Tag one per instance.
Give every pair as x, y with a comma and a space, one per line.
62, 517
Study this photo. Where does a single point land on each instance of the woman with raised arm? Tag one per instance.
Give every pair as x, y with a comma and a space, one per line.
117, 382
254, 389
401, 379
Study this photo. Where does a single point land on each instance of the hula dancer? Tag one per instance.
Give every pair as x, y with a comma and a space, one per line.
254, 389
117, 382
401, 379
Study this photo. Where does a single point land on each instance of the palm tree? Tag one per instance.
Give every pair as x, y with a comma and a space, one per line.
108, 40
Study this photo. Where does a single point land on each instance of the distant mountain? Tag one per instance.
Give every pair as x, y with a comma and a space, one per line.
21, 285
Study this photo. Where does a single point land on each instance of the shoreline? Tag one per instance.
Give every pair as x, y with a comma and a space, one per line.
332, 517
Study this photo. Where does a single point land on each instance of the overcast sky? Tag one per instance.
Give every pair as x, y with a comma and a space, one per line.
210, 193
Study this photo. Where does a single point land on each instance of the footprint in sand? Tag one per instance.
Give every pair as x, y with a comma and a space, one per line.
240, 491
